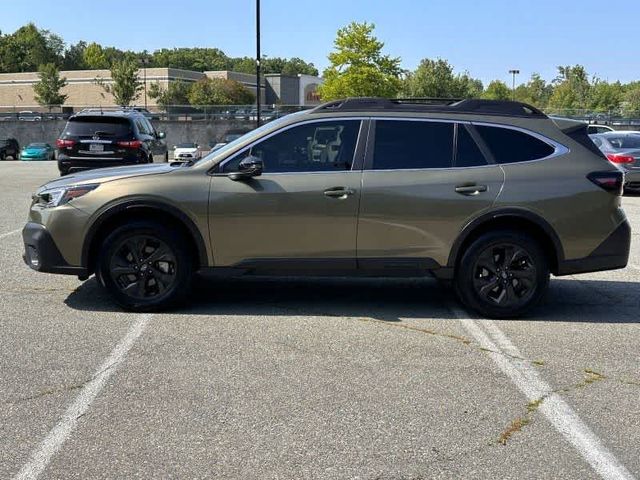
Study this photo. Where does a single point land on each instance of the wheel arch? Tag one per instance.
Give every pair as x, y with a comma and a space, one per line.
512, 218
141, 210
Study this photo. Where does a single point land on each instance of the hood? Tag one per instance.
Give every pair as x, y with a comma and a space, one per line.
102, 175
186, 150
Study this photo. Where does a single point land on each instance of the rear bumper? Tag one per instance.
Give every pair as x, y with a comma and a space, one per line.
69, 164
611, 254
42, 254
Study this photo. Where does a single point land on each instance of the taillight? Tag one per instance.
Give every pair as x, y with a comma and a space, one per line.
130, 144
620, 159
64, 143
609, 181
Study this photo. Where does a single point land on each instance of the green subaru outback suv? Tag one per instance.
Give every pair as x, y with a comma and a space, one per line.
492, 196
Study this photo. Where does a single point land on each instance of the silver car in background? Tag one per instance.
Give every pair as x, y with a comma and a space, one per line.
623, 150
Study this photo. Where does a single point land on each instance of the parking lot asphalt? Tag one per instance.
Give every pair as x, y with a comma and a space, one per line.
322, 378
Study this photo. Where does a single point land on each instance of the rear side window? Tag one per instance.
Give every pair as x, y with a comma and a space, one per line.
512, 146
102, 126
468, 153
412, 145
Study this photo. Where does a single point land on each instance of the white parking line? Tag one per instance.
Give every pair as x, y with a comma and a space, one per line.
42, 455
13, 232
553, 407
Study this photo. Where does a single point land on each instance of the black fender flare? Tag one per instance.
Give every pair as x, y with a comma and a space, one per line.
131, 205
519, 213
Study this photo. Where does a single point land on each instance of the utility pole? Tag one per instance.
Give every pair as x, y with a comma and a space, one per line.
514, 72
145, 61
257, 63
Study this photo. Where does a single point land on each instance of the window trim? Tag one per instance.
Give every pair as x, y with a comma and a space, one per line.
558, 148
356, 165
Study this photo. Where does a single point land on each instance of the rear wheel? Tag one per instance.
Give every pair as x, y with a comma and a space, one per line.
502, 274
145, 266
3, 156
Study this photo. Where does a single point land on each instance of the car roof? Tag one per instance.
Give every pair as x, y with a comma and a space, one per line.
504, 108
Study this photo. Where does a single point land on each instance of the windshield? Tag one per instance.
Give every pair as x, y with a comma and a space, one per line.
186, 145
37, 145
628, 141
252, 134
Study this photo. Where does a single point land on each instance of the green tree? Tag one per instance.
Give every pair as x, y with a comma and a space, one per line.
199, 59
358, 67
219, 91
74, 57
605, 96
48, 89
535, 92
631, 99
435, 79
571, 89
94, 57
28, 48
125, 83
176, 93
497, 90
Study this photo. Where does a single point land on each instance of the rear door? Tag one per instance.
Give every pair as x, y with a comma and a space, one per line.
424, 180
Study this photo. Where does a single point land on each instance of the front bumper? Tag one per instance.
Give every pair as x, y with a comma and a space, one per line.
611, 254
42, 254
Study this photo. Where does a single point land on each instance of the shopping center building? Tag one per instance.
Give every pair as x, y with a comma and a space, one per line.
82, 90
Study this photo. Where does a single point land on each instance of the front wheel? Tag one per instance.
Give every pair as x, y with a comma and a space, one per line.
502, 274
145, 266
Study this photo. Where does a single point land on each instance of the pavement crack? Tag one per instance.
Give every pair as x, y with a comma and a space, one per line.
427, 331
517, 424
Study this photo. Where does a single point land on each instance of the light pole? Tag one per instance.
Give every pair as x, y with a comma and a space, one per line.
257, 63
145, 61
514, 72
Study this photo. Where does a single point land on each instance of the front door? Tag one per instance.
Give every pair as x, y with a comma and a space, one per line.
302, 211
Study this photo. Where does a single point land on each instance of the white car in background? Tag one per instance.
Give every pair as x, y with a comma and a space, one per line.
187, 151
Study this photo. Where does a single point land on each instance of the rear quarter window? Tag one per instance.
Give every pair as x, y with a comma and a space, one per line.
512, 146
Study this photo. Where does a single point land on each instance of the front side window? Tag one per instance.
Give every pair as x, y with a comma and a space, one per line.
312, 147
512, 146
405, 144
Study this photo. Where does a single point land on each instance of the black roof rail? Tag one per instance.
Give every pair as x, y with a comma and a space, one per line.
442, 105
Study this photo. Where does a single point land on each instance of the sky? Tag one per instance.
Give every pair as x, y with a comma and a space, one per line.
487, 38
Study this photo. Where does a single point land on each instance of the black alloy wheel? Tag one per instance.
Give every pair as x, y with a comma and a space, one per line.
143, 267
502, 274
146, 266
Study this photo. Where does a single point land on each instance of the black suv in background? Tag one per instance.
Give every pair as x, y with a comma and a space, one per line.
97, 139
9, 147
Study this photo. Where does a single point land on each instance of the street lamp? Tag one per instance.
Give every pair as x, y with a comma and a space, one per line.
514, 72
257, 63
145, 61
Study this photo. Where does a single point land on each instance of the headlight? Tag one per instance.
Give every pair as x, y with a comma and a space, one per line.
55, 197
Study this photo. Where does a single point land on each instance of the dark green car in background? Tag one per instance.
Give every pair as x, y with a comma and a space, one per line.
37, 151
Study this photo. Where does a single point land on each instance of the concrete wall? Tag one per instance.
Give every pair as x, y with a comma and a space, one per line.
176, 131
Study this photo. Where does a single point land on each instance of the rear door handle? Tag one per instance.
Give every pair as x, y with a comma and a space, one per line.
470, 189
338, 192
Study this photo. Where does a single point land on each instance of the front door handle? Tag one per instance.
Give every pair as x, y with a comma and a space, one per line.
470, 190
338, 192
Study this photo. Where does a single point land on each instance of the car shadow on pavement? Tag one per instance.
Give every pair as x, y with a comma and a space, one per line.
569, 299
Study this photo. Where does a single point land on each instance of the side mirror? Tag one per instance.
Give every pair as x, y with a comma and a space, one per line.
161, 135
248, 168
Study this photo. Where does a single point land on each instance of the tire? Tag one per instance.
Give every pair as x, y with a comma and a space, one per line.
502, 274
142, 285
150, 159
